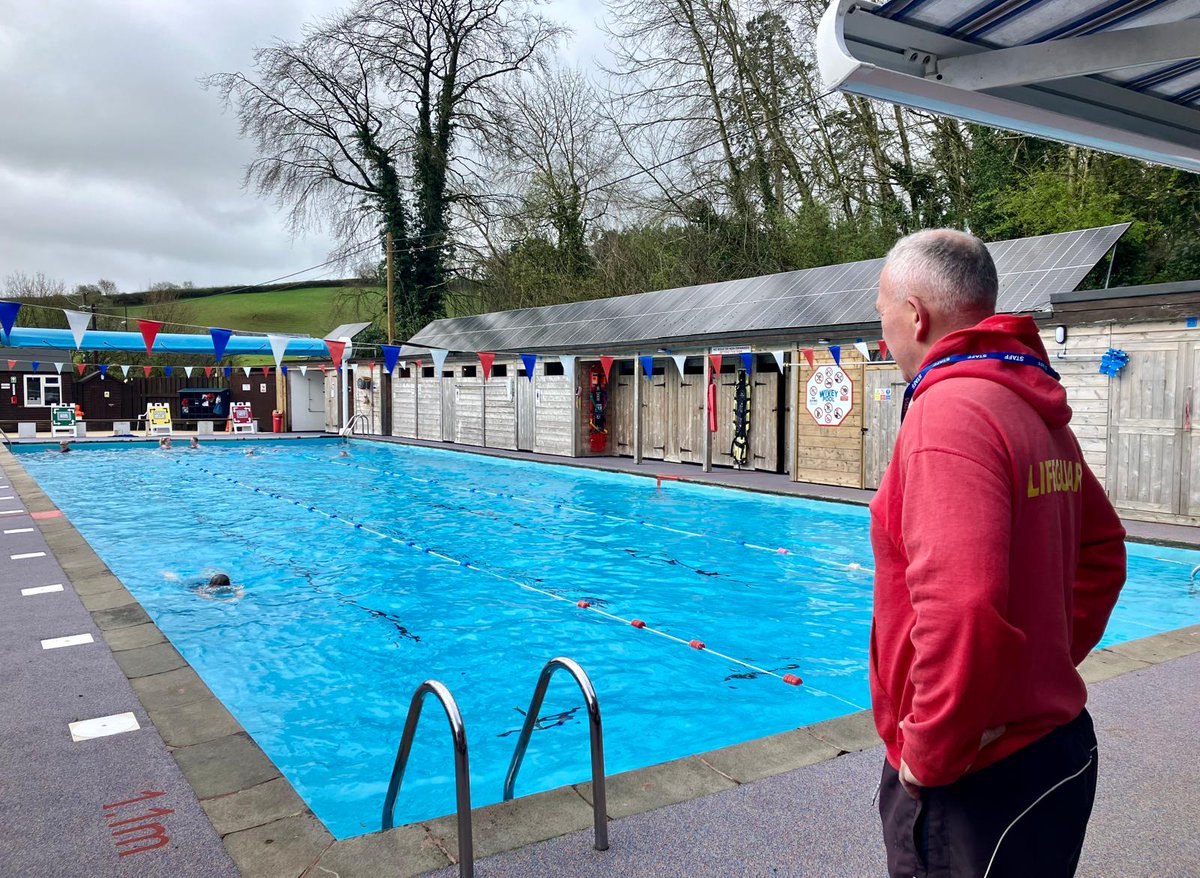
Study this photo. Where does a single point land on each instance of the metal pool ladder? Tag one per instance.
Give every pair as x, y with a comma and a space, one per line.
462, 775
358, 418
599, 799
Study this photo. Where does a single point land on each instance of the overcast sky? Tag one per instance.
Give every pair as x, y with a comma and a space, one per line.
115, 163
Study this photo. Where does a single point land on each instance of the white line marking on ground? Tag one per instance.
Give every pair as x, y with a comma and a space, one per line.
86, 729
41, 589
9, 497
20, 530
24, 555
12, 511
72, 640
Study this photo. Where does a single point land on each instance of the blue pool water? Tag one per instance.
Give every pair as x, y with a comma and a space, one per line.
331, 626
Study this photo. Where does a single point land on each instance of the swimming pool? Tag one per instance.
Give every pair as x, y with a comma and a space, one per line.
468, 569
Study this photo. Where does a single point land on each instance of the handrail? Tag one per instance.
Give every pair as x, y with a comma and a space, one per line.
462, 774
1192, 579
7, 441
348, 430
599, 799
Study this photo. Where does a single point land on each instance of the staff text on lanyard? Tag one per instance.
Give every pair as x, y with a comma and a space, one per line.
1018, 359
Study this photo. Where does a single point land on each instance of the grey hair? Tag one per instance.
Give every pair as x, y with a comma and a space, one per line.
953, 269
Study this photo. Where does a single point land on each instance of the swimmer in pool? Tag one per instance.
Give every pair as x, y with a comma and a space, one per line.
219, 588
164, 442
195, 443
343, 453
64, 446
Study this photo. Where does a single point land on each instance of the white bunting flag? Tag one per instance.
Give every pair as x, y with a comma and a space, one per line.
78, 321
187, 370
247, 369
279, 345
568, 361
125, 369
58, 367
403, 364
679, 359
861, 347
304, 370
348, 352
439, 359
778, 355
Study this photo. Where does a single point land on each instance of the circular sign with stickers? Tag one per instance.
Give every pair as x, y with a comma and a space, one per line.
830, 396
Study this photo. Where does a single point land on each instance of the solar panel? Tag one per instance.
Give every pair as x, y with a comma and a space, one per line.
1030, 269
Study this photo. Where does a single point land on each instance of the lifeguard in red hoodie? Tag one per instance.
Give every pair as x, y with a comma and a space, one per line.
998, 561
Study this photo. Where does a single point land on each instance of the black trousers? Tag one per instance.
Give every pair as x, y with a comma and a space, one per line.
1024, 816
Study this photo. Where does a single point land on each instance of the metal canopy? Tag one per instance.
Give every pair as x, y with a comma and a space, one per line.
792, 303
1121, 76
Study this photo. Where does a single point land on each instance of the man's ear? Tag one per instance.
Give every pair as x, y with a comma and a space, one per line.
922, 319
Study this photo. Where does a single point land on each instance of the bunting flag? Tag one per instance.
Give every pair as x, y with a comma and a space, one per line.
8, 316
349, 352
146, 370
836, 350
530, 361
324, 369
220, 338
78, 321
486, 359
391, 353
228, 370
606, 365
35, 365
304, 371
246, 369
149, 330
883, 351
715, 360
187, 370
778, 355
404, 365
680, 360
336, 350
283, 369
568, 361
266, 370
167, 370
279, 345
861, 347
103, 370
647, 362
12, 364
748, 362
79, 367
808, 355
208, 370
125, 369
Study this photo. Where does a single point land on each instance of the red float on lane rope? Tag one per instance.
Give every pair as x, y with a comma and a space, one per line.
792, 680
696, 644
583, 605
638, 623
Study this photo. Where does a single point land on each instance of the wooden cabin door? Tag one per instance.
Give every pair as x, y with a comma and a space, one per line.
884, 391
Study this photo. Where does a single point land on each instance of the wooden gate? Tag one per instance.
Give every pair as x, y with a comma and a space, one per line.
884, 389
447, 398
658, 412
526, 413
1151, 449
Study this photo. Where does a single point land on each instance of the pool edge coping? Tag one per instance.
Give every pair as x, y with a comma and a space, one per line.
261, 819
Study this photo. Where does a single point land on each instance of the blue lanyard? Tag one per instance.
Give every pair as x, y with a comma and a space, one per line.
1019, 359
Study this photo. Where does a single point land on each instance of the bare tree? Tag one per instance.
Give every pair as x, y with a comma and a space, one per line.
19, 285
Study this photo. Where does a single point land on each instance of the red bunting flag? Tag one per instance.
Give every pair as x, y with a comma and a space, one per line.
146, 370
79, 367
715, 359
323, 368
486, 359
208, 371
266, 370
371, 365
336, 349
606, 364
12, 363
883, 349
808, 355
149, 330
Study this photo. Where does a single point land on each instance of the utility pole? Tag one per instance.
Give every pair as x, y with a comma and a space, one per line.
391, 328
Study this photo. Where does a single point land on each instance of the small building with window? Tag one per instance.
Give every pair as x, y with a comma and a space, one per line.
26, 392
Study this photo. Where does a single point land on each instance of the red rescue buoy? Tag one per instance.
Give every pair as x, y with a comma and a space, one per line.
638, 623
583, 605
792, 680
696, 644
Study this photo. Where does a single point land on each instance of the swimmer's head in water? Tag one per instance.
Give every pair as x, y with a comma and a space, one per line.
218, 580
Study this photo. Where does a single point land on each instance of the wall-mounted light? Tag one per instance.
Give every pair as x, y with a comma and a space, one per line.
1060, 334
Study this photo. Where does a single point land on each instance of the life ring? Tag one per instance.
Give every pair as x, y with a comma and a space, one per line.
597, 403
739, 449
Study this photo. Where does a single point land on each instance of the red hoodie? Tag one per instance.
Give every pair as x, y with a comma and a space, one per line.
998, 559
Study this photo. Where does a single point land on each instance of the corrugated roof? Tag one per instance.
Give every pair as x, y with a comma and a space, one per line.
1031, 270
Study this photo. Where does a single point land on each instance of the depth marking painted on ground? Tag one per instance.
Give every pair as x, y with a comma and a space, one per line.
86, 729
20, 530
25, 555
41, 589
412, 544
12, 511
9, 497
71, 640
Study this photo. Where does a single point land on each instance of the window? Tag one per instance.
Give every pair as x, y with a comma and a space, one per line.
43, 390
554, 369
500, 370
427, 371
468, 371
